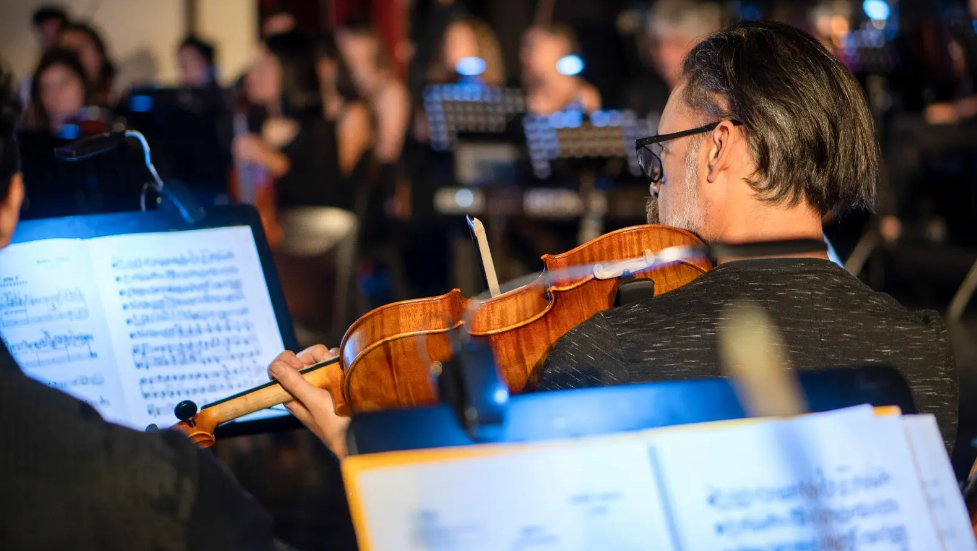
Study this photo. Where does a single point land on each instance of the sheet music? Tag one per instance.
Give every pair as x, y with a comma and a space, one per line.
569, 497
838, 480
939, 483
52, 322
189, 315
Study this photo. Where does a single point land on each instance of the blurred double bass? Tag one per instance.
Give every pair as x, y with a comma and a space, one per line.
251, 183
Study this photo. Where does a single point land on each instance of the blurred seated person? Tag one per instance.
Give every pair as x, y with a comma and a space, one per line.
468, 37
376, 83
85, 41
198, 63
59, 113
547, 89
289, 136
342, 105
47, 22
672, 28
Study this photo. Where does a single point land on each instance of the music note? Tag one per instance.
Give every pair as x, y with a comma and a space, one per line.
18, 308
57, 348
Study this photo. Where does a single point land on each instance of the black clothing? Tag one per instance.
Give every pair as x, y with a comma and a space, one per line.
314, 178
69, 480
827, 318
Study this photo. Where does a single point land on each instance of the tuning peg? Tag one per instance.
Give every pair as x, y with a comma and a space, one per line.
185, 411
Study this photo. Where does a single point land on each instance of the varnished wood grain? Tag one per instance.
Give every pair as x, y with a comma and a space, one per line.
386, 356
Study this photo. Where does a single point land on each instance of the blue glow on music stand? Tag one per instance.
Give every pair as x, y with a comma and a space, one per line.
140, 103
69, 132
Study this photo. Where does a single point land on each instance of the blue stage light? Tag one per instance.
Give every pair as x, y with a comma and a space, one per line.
470, 66
876, 9
464, 198
569, 65
140, 103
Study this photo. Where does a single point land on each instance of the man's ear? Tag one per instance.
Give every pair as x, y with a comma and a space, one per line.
10, 209
719, 142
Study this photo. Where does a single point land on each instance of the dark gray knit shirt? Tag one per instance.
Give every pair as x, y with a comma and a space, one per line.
827, 318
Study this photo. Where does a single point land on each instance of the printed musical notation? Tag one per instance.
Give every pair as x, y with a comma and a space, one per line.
95, 379
213, 384
25, 309
53, 348
175, 275
203, 257
141, 320
179, 330
216, 350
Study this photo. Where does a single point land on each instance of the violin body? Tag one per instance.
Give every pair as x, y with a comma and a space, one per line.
388, 352
387, 356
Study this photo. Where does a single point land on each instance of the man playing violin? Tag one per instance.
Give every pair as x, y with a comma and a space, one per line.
765, 133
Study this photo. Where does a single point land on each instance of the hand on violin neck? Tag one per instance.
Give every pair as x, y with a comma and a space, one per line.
313, 406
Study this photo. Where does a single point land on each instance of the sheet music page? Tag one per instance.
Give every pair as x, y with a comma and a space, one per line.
939, 482
52, 322
571, 496
189, 314
839, 480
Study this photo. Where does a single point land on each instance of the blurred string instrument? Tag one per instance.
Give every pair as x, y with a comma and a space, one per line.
390, 358
251, 183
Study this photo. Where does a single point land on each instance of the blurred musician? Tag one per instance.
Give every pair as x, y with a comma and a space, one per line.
549, 86
342, 105
467, 38
386, 95
60, 111
48, 22
672, 28
85, 41
198, 64
783, 135
288, 136
58, 92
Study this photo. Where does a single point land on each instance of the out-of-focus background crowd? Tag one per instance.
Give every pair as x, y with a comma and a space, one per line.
363, 131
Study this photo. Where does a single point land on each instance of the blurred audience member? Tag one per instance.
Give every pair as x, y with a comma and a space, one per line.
99, 69
198, 63
278, 20
551, 87
60, 112
293, 142
464, 39
58, 91
672, 29
342, 105
386, 95
48, 22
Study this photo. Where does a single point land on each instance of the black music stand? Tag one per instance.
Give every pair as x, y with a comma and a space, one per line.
607, 410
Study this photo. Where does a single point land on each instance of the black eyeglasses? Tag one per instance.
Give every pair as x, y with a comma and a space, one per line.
649, 149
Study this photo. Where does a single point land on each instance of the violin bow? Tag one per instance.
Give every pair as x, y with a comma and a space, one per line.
478, 230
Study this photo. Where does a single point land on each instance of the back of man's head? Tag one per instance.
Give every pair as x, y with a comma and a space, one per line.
807, 123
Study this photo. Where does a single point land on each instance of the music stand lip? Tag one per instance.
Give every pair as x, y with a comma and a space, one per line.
606, 410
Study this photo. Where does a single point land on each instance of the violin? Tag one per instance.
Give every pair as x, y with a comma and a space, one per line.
389, 356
